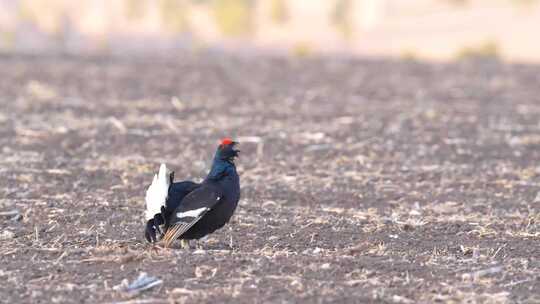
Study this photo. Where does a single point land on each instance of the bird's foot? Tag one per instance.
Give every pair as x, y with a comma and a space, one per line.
184, 244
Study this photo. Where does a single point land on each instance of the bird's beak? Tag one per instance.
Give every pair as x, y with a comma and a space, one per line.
234, 143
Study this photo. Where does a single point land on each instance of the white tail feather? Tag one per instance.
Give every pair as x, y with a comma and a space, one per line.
156, 195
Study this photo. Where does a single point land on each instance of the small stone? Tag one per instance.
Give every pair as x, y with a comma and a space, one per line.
16, 218
6, 235
325, 266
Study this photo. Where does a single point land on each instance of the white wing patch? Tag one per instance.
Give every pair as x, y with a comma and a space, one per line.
156, 195
192, 213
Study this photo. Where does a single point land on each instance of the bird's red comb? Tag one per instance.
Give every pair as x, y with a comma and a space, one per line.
226, 141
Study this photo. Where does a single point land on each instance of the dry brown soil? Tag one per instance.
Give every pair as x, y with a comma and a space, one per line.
363, 181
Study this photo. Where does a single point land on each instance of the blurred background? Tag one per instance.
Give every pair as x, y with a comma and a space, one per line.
419, 29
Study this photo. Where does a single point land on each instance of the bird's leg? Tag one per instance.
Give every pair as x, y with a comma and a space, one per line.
184, 244
158, 221
199, 242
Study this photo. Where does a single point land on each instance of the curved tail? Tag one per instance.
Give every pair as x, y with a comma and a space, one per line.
156, 194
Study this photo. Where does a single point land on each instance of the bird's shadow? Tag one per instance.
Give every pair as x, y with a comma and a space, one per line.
194, 246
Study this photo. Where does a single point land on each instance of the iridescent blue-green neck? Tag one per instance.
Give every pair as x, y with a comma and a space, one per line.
220, 166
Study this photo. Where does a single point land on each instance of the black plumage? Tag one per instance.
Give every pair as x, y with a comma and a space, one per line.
192, 210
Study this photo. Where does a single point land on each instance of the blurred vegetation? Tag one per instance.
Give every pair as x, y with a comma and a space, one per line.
175, 15
458, 2
342, 19
517, 2
62, 23
135, 9
302, 49
409, 55
25, 12
525, 2
488, 50
7, 39
278, 11
234, 17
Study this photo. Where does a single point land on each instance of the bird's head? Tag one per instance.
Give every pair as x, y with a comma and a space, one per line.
226, 150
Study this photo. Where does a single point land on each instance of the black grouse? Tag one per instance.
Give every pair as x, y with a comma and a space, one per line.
187, 210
